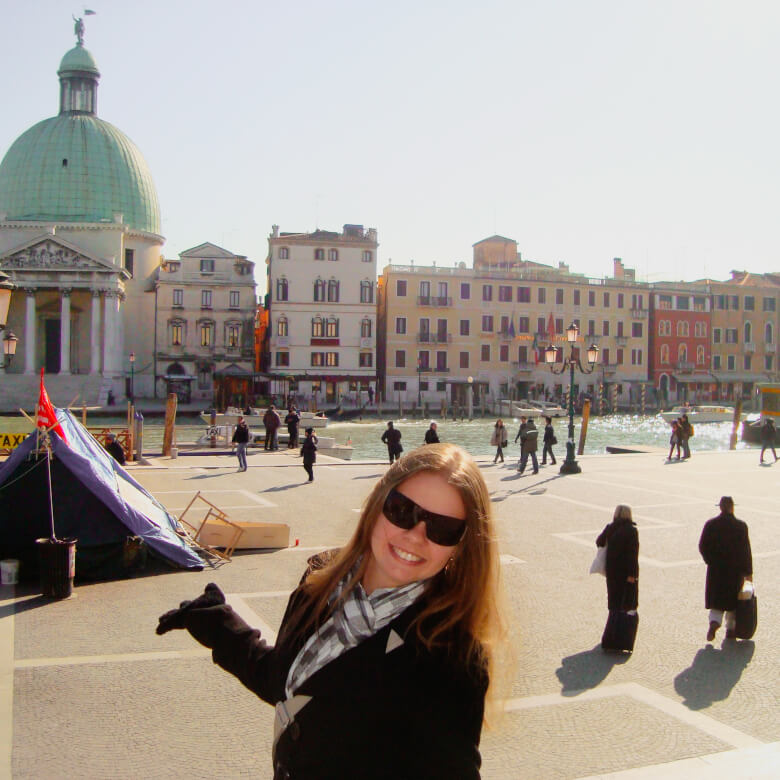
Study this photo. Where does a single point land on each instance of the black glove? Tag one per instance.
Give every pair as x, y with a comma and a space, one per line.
179, 618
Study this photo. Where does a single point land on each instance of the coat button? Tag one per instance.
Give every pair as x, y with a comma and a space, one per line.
295, 731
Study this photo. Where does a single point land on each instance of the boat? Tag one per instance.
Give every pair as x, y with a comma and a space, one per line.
702, 414
344, 415
230, 417
769, 405
223, 434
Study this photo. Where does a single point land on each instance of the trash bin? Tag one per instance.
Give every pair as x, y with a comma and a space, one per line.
9, 571
57, 564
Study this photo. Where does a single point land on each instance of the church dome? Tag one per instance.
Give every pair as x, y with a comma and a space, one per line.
75, 167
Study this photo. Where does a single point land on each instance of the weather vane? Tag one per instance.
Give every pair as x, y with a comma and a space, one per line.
78, 27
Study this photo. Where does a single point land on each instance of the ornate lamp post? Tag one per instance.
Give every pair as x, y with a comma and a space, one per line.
132, 377
9, 340
419, 392
570, 465
9, 348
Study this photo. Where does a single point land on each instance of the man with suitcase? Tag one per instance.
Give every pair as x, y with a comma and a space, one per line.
725, 547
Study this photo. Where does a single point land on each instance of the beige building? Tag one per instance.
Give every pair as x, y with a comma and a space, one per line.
204, 326
445, 328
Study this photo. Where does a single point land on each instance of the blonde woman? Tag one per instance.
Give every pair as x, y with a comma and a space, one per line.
386, 649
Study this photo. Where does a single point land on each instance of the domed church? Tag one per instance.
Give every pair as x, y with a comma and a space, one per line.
80, 239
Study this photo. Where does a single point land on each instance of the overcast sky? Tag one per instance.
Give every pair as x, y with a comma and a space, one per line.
583, 129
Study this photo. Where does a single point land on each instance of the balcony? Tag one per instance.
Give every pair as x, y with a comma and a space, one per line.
639, 314
609, 368
366, 342
621, 341
522, 366
434, 300
434, 338
281, 341
684, 365
770, 347
750, 346
441, 370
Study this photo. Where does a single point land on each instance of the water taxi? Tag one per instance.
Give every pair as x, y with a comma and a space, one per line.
702, 414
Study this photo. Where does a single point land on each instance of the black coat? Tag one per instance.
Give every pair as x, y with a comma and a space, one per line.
402, 712
291, 421
309, 450
549, 433
241, 434
392, 438
725, 547
431, 437
116, 451
622, 540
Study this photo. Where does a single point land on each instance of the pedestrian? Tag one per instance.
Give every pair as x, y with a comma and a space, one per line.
725, 547
621, 539
241, 440
768, 432
115, 449
549, 440
272, 421
684, 432
529, 436
110, 400
674, 439
370, 395
292, 420
499, 439
309, 452
431, 435
392, 438
387, 649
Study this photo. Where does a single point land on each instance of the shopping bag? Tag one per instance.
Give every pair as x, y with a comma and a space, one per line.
746, 617
599, 565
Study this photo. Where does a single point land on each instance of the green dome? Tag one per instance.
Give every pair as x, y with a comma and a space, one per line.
78, 59
77, 168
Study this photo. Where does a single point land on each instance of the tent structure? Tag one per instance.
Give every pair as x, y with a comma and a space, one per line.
95, 501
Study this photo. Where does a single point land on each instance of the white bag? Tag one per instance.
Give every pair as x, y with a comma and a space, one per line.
599, 565
747, 591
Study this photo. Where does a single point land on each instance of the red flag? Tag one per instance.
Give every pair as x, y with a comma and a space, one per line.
551, 329
47, 417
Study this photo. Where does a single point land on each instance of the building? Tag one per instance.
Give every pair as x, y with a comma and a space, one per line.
80, 239
322, 314
205, 326
445, 329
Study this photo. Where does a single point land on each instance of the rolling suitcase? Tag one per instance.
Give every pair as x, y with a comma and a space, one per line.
746, 617
620, 631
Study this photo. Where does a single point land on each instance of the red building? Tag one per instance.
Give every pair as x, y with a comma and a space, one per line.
679, 343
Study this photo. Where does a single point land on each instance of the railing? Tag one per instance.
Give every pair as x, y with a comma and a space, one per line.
684, 365
441, 370
621, 341
609, 368
366, 342
434, 338
522, 365
281, 341
750, 346
639, 314
434, 300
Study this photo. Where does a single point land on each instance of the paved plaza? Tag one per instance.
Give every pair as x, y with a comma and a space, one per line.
87, 690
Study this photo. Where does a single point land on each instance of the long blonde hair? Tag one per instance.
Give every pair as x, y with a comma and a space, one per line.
463, 599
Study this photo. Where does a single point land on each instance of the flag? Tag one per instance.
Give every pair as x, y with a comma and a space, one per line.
87, 12
511, 331
47, 417
551, 329
535, 347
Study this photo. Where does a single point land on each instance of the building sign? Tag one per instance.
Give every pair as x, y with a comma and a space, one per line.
10, 441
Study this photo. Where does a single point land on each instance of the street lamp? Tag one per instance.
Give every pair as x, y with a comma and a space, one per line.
419, 391
570, 465
132, 377
6, 288
470, 399
9, 348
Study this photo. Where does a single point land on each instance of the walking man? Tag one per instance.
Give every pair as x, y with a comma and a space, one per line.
392, 438
309, 452
529, 437
685, 431
725, 547
768, 437
549, 440
241, 440
291, 421
272, 421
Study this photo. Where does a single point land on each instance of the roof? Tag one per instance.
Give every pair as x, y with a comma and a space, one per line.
744, 376
496, 238
80, 60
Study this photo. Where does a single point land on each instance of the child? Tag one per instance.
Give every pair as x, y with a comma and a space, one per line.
309, 452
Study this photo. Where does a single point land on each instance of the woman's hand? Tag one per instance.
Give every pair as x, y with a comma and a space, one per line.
188, 615
631, 579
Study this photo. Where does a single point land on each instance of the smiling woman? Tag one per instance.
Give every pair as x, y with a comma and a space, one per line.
386, 649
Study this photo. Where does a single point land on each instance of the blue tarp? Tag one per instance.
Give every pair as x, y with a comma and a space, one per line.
93, 469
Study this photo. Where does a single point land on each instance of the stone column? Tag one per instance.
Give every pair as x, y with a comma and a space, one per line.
109, 339
3, 358
65, 332
29, 333
95, 335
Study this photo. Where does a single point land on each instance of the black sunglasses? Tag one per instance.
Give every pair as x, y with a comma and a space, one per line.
402, 512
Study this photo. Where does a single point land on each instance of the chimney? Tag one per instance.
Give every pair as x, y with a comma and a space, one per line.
619, 271
274, 231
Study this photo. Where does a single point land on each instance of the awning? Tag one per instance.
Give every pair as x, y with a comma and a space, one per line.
235, 370
179, 378
733, 376
694, 379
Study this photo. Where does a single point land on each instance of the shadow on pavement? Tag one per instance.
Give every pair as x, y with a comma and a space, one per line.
283, 487
713, 673
368, 476
585, 670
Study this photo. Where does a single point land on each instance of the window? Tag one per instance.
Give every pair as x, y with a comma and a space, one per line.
576, 297
734, 302
541, 328
464, 359
205, 299
682, 353
750, 303
523, 325
368, 256
400, 288
605, 328
619, 356
235, 299
204, 379
441, 361
318, 359
731, 363
366, 292
541, 295
748, 329
620, 300
503, 353
399, 386
284, 253
606, 300
682, 328
424, 360
317, 330
281, 289
524, 295
465, 291
283, 359
485, 353
424, 329
664, 302
400, 358
423, 385
333, 291
664, 354
425, 293
206, 265
464, 327
715, 362
591, 327
319, 254
366, 359
699, 303
207, 334
619, 333
731, 335
637, 301
400, 326
281, 326
233, 336
559, 297
443, 294
683, 302
700, 330
333, 254
700, 355
636, 357
177, 334
636, 330
129, 260
716, 335
332, 328
487, 292
591, 298
768, 362
487, 323
769, 304
320, 289
559, 326
721, 302
365, 328
605, 356
503, 328
769, 335
178, 298
505, 293
331, 359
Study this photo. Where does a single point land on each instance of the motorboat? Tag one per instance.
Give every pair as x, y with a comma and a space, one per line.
326, 445
231, 415
702, 414
547, 409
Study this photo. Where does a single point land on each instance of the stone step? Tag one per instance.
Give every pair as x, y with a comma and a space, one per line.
21, 390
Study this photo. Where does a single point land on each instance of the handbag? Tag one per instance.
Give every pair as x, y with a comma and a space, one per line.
554, 440
599, 565
746, 613
504, 443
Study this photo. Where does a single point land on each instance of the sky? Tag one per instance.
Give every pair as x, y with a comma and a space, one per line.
583, 129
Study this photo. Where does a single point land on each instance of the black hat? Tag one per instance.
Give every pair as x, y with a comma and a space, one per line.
726, 502
310, 430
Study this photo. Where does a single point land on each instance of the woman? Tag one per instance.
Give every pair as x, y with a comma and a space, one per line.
386, 648
549, 440
622, 542
499, 439
674, 440
309, 453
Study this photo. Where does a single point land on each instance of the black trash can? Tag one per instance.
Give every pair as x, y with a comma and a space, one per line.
57, 566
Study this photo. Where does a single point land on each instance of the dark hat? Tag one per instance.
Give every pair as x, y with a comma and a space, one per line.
726, 502
310, 430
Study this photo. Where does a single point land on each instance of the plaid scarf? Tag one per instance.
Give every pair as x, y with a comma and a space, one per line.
357, 618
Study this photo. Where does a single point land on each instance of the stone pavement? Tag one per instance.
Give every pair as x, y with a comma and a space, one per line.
88, 690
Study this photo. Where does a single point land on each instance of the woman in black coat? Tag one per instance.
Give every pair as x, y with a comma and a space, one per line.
549, 440
386, 649
309, 453
622, 542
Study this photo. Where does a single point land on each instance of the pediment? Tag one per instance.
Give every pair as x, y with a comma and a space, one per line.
52, 253
207, 250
